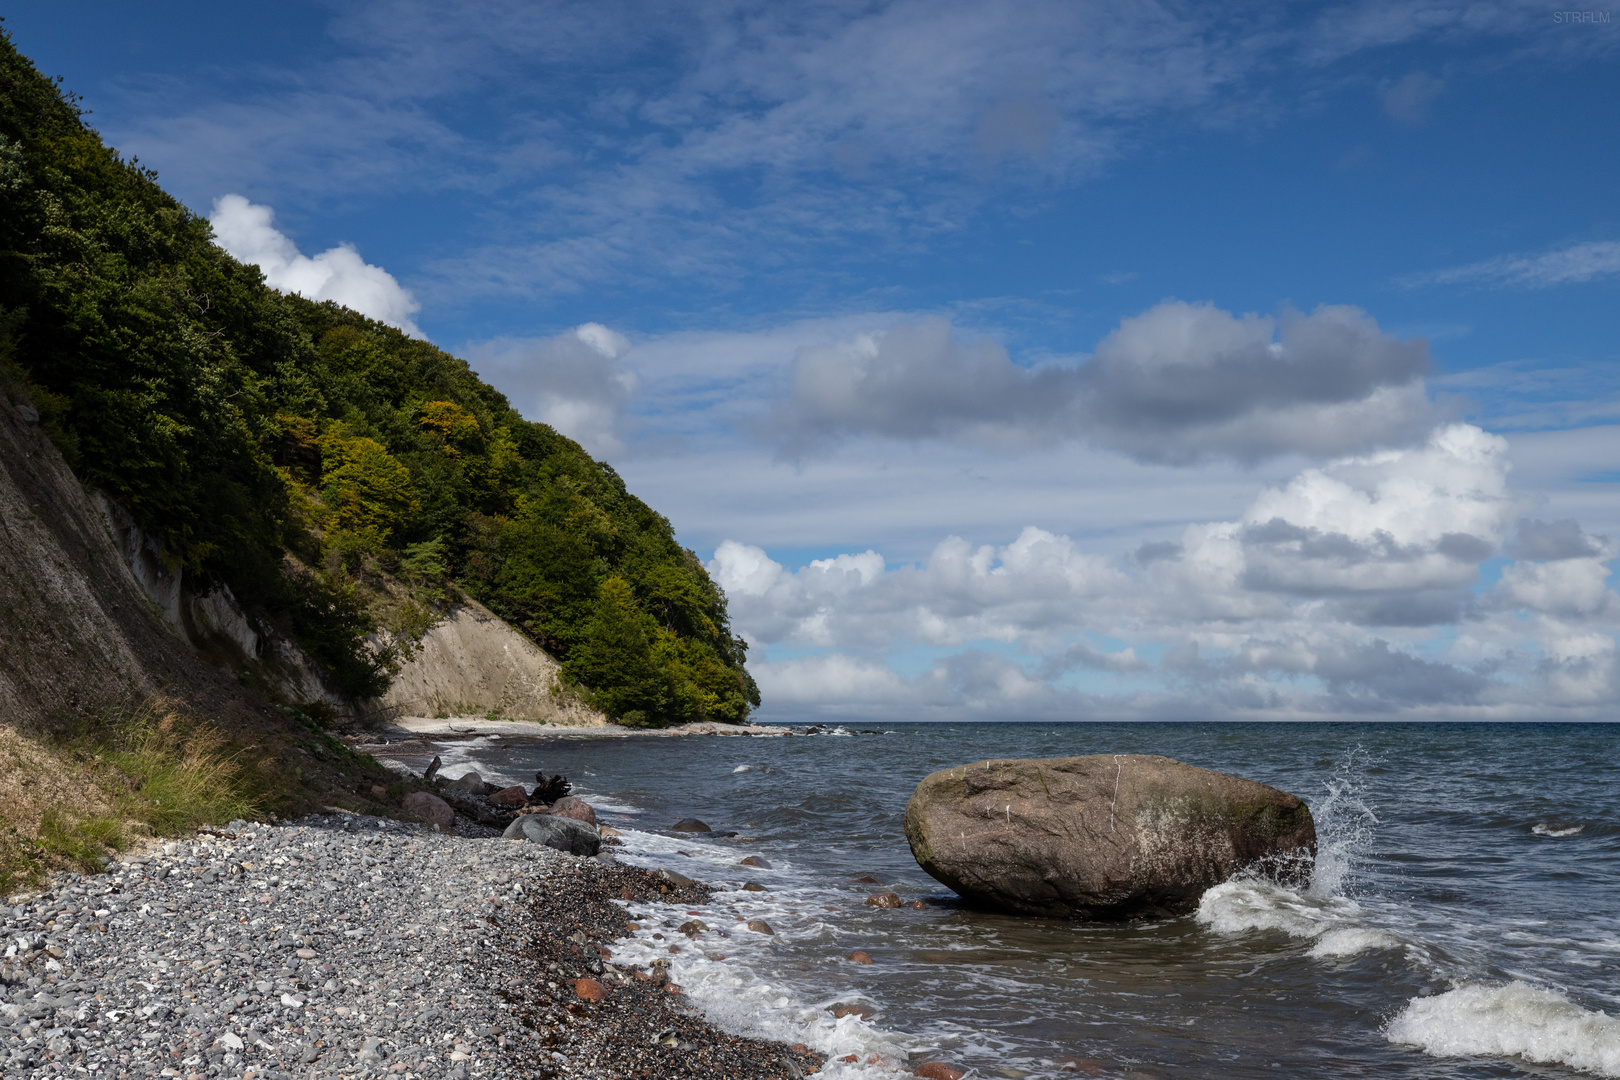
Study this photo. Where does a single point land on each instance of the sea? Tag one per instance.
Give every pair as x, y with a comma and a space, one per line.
1463, 919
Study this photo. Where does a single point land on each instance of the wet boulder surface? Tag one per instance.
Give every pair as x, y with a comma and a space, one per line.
1105, 836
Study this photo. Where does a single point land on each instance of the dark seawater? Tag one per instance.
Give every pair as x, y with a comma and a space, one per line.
1464, 920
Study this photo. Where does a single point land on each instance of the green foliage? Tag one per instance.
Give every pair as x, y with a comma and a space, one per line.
288, 448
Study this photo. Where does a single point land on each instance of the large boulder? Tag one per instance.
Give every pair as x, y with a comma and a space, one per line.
1107, 836
561, 833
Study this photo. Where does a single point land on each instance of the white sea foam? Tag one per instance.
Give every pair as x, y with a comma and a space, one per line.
1338, 924
743, 768
1542, 828
1246, 904
731, 992
1518, 1019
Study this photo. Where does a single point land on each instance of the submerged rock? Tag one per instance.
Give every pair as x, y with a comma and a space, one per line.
1104, 836
559, 833
690, 824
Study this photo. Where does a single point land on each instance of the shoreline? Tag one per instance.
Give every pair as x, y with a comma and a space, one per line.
413, 726
342, 946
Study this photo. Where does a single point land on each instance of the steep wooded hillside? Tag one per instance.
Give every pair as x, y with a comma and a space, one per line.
307, 458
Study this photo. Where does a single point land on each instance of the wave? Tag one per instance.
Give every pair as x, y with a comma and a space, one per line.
1543, 828
1246, 904
1516, 1020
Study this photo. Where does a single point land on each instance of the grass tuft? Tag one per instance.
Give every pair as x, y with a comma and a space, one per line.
100, 782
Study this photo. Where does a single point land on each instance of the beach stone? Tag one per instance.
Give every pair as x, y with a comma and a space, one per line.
755, 861
512, 796
559, 833
690, 824
678, 880
572, 806
1106, 836
938, 1070
589, 989
470, 782
429, 809
864, 1012
883, 900
866, 879
753, 886
760, 926
860, 957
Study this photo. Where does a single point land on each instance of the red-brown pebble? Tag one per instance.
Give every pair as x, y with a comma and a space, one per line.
760, 926
938, 1070
850, 1058
1085, 1066
883, 900
861, 958
589, 989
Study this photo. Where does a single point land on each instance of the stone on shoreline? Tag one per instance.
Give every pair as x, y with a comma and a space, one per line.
860, 957
470, 782
572, 806
755, 861
512, 796
691, 824
1104, 836
883, 900
429, 809
559, 833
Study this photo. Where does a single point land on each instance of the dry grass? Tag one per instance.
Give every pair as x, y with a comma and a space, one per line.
101, 782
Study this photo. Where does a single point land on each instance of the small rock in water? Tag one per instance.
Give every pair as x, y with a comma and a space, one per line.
693, 927
860, 957
917, 905
860, 1010
760, 926
690, 824
429, 809
938, 1070
1083, 1066
866, 879
755, 861
883, 900
753, 886
678, 880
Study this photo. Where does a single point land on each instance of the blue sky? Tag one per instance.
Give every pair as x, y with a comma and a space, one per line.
918, 279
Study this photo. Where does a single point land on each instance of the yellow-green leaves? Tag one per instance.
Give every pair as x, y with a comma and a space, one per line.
368, 489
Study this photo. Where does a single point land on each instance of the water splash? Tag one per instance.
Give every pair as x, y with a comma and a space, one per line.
1345, 825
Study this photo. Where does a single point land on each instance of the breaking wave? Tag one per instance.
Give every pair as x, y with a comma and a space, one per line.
1516, 1020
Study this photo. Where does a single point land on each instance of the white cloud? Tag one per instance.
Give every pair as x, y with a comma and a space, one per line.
1561, 266
572, 381
1332, 594
1177, 384
248, 233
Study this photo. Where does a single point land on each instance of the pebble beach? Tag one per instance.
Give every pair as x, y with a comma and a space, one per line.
350, 946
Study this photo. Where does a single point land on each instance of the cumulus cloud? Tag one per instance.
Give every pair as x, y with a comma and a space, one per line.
1560, 266
247, 231
1332, 594
1177, 384
572, 381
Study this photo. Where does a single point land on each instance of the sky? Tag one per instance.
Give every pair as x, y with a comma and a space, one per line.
1048, 361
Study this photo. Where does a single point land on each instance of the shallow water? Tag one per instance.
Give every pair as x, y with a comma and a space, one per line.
1464, 919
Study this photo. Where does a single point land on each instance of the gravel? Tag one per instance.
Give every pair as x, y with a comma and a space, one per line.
350, 946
